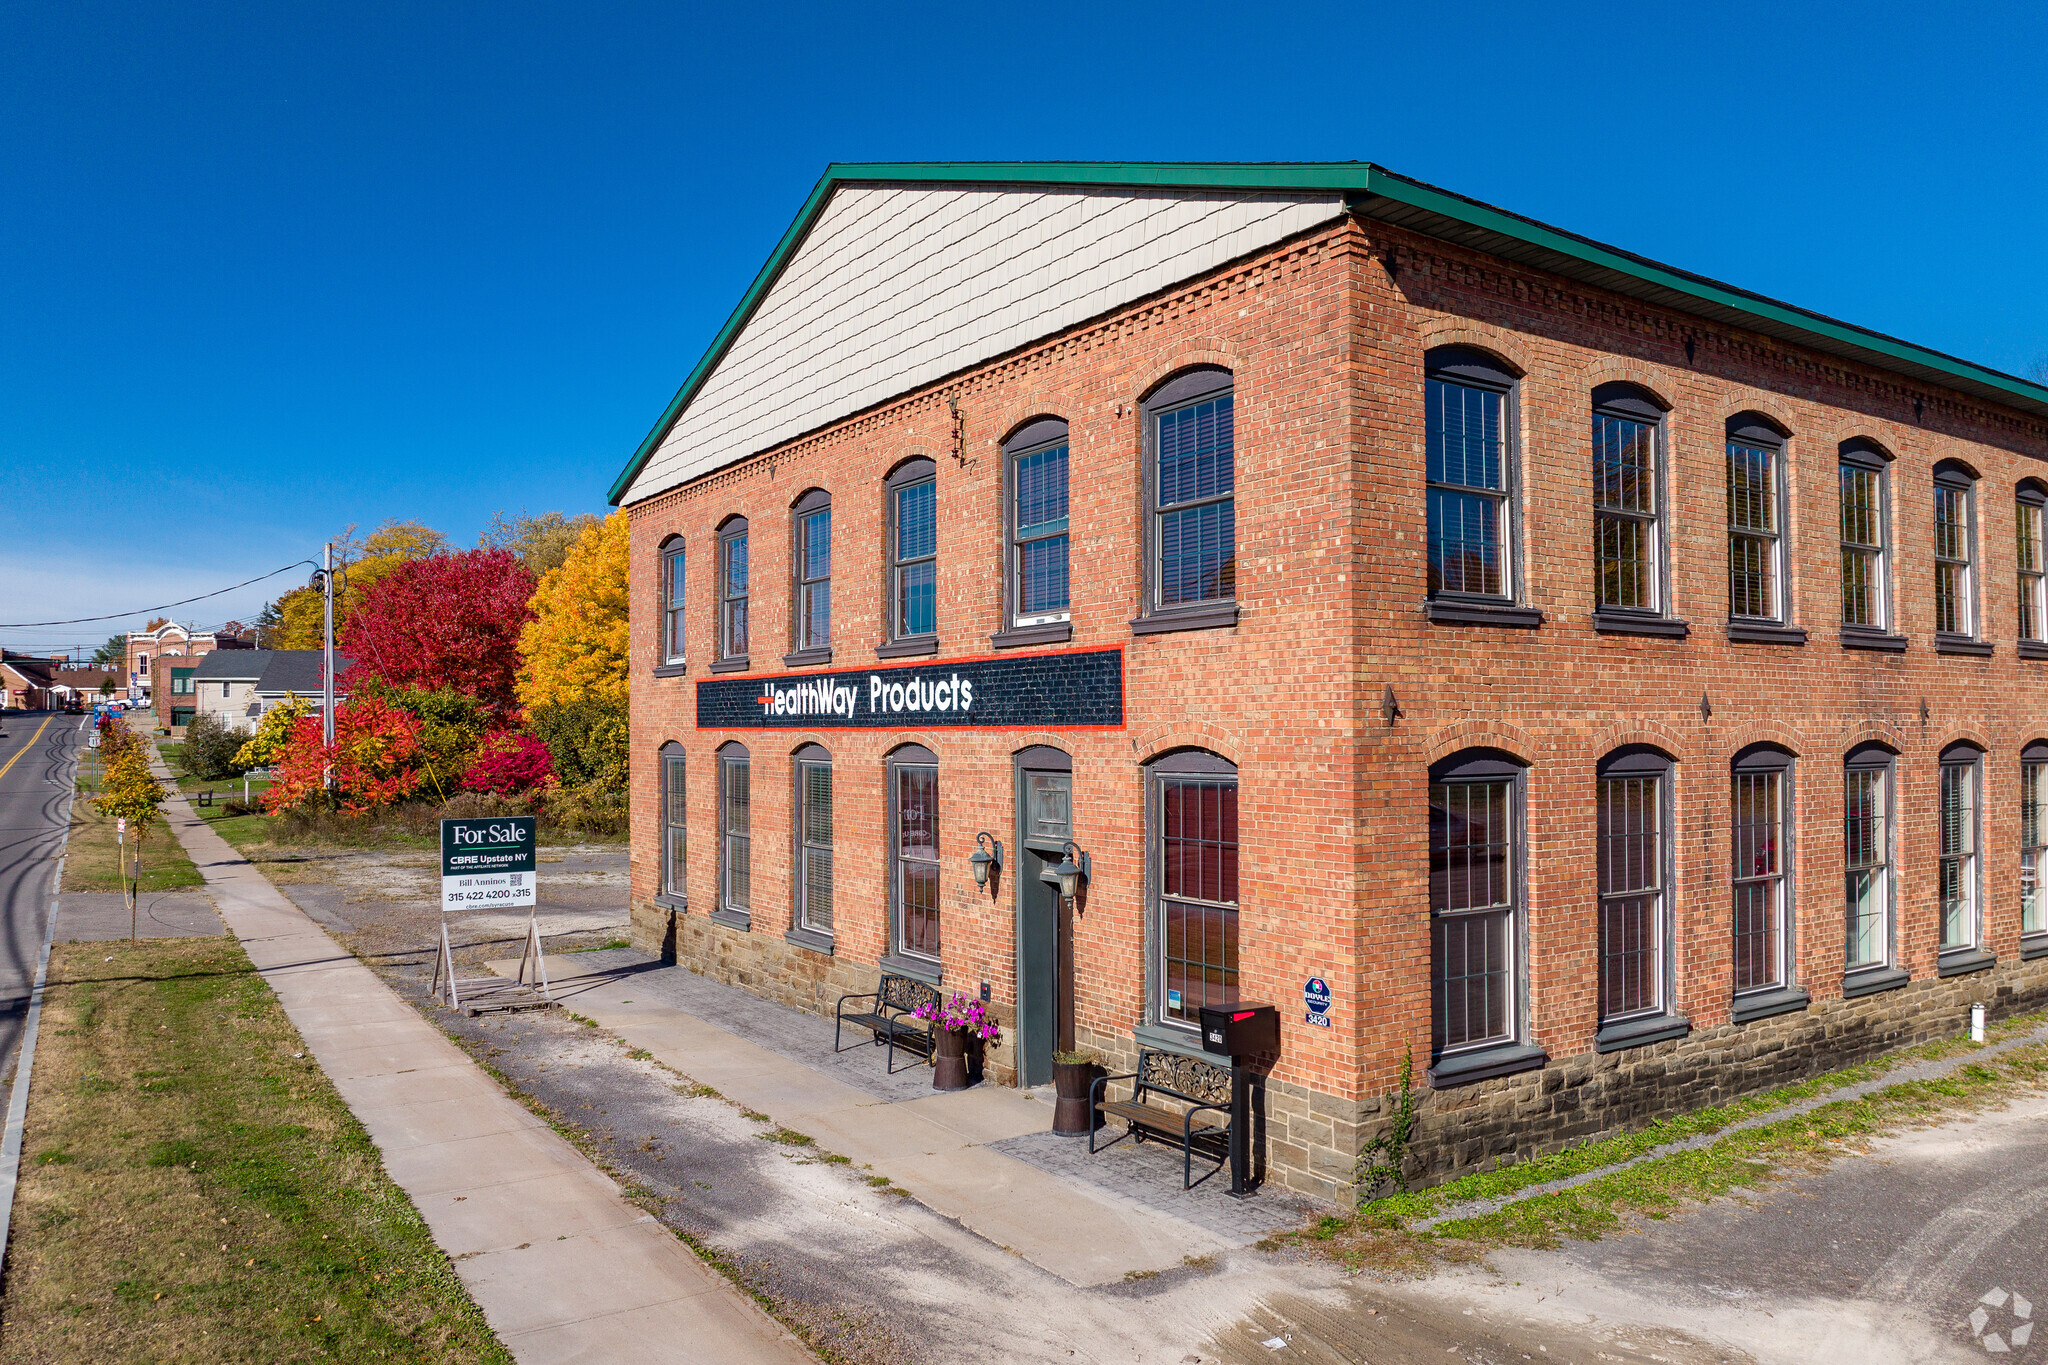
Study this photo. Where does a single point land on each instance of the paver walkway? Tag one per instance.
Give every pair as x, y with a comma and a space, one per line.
564, 1268
966, 1155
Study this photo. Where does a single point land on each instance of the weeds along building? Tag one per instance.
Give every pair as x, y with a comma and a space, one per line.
1620, 690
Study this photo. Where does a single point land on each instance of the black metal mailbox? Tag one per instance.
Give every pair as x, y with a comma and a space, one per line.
1240, 1029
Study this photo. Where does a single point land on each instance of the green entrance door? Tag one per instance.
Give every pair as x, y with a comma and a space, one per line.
1045, 937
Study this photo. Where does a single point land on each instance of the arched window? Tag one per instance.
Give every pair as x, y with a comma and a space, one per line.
1955, 556
672, 651
1760, 826
2033, 847
914, 855
735, 836
811, 611
2030, 500
1190, 429
1633, 840
912, 491
1036, 593
1865, 470
1471, 472
1959, 889
675, 831
1756, 520
814, 840
1867, 859
1629, 501
1193, 922
1476, 910
732, 596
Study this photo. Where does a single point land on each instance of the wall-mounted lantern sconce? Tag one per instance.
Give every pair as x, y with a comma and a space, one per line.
982, 859
1072, 871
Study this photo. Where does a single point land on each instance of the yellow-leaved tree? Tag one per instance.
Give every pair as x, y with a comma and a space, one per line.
574, 648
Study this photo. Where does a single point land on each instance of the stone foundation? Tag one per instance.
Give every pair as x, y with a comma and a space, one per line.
1592, 1096
776, 969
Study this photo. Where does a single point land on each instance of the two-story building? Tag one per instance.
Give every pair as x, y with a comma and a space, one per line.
1612, 688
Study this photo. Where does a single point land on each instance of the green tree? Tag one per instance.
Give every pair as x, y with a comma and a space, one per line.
112, 654
542, 542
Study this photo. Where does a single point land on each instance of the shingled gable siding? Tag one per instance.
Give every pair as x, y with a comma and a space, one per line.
1327, 343
898, 285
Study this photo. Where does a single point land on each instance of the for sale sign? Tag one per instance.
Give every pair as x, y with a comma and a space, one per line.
487, 863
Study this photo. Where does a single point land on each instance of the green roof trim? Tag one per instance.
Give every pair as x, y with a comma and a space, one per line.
1378, 193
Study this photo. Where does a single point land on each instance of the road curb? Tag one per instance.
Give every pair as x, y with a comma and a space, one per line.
17, 1104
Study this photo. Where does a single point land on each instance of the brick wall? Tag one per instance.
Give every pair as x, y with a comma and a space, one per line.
1326, 337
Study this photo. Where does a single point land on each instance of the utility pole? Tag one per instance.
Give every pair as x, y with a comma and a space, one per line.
327, 644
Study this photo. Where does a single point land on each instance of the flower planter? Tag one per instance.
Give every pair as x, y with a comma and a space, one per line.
1071, 1082
949, 1059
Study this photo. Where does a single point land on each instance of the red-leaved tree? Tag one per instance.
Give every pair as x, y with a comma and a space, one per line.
375, 759
449, 620
510, 764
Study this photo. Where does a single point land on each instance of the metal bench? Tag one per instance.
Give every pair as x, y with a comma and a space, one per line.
1202, 1087
891, 1016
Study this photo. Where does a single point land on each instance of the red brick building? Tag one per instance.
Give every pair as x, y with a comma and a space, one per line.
1618, 689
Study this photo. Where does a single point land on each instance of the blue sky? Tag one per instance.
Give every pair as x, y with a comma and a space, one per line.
267, 270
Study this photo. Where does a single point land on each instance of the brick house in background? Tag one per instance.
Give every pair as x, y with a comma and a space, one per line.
1616, 689
27, 680
170, 638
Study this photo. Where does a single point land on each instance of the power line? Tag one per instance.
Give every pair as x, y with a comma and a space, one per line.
145, 611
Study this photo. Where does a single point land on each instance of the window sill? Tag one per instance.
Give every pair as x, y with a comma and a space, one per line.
679, 904
1207, 617
808, 658
1861, 637
1483, 1064
916, 968
1764, 1004
1050, 633
1633, 623
1961, 644
1765, 633
670, 670
2033, 946
1655, 1028
732, 919
735, 665
810, 938
2032, 649
910, 648
1963, 961
1168, 1038
1872, 980
1444, 611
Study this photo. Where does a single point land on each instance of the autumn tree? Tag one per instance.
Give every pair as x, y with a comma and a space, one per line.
450, 620
541, 541
374, 760
575, 647
299, 615
128, 792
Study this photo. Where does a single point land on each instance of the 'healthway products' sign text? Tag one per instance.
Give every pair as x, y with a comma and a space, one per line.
1051, 691
487, 863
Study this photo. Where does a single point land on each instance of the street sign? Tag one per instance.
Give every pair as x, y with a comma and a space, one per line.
487, 863
1315, 994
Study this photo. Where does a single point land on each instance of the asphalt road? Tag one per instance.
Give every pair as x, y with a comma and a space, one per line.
37, 749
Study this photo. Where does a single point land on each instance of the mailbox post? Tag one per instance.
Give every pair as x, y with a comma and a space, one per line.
1242, 1031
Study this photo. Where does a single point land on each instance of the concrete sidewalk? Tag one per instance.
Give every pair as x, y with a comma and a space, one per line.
563, 1267
937, 1146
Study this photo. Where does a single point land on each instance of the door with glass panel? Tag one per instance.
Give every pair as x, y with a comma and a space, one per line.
1045, 923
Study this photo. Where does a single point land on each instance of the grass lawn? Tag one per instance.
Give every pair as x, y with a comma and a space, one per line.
92, 857
1378, 1233
191, 1191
